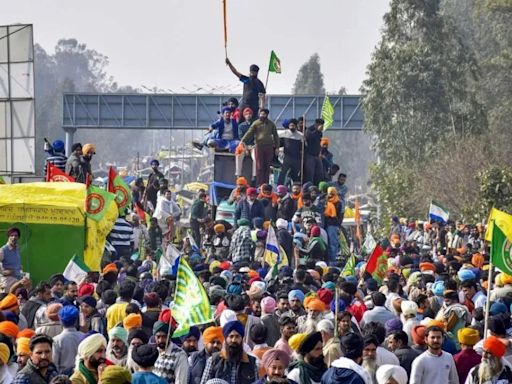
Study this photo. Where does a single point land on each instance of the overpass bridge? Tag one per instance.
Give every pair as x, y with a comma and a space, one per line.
191, 111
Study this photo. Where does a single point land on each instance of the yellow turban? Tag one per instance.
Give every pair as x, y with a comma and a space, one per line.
89, 346
9, 303
214, 264
114, 374
4, 353
23, 346
296, 340
468, 336
219, 228
506, 279
133, 320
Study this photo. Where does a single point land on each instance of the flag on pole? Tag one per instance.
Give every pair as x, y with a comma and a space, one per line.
275, 64
274, 254
192, 242
76, 270
368, 245
350, 267
169, 261
502, 220
97, 202
377, 264
54, 174
117, 186
437, 213
501, 250
191, 305
327, 112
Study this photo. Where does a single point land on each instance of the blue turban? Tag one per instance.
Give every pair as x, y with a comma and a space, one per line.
351, 279
341, 305
438, 288
234, 289
119, 333
466, 274
193, 331
257, 222
234, 325
392, 325
296, 294
497, 308
286, 123
68, 315
155, 162
227, 109
329, 285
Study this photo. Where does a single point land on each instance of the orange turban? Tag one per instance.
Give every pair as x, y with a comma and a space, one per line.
266, 224
27, 332
242, 181
308, 298
213, 333
324, 140
8, 328
22, 346
477, 260
315, 304
9, 303
133, 320
494, 345
110, 268
427, 267
436, 323
418, 334
252, 274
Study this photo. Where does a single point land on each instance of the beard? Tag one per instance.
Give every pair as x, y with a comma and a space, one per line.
318, 362
95, 363
190, 349
161, 345
489, 367
370, 365
309, 325
235, 351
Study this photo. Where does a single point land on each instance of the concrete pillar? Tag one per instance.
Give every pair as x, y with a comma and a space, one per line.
70, 132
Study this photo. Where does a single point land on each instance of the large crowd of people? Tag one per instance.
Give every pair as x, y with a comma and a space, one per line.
435, 316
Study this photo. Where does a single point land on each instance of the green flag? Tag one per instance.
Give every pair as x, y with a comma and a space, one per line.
501, 250
2, 181
327, 112
97, 203
191, 305
123, 193
350, 267
275, 63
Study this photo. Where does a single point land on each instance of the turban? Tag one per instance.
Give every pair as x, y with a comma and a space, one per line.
341, 305
160, 326
494, 345
227, 275
233, 326
468, 336
52, 311
388, 371
348, 287
192, 332
138, 333
234, 289
214, 264
68, 315
392, 325
436, 323
282, 190
324, 140
477, 260
225, 265
5, 354
9, 303
145, 355
466, 274
166, 317
23, 345
325, 325
438, 288
89, 300
418, 334
424, 267
296, 294
268, 305
274, 354
27, 332
281, 223
119, 333
90, 345
506, 279
110, 268
254, 68
219, 228
242, 222
213, 333
226, 316
409, 307
309, 343
325, 295
226, 109
246, 111
86, 290
251, 192
329, 285
309, 297
114, 374
315, 231
352, 345
133, 320
450, 294
497, 308
296, 340
8, 328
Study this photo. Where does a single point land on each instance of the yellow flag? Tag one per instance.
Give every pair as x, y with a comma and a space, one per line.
502, 220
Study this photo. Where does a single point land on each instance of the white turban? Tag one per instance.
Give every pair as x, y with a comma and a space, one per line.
226, 316
89, 346
281, 223
325, 325
388, 371
409, 307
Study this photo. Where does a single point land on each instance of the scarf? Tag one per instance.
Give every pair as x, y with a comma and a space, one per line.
307, 372
330, 206
89, 377
270, 196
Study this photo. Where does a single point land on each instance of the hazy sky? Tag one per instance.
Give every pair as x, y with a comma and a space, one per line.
180, 43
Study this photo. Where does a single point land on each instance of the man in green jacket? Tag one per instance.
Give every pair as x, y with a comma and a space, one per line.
266, 141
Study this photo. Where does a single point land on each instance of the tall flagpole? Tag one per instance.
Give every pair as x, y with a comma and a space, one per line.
302, 154
489, 288
225, 28
336, 310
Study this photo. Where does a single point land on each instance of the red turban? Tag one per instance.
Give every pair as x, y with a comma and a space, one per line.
494, 345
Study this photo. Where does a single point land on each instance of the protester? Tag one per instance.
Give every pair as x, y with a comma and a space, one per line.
39, 368
90, 359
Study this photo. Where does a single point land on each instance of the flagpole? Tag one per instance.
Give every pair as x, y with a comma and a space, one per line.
489, 287
336, 310
225, 28
302, 154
